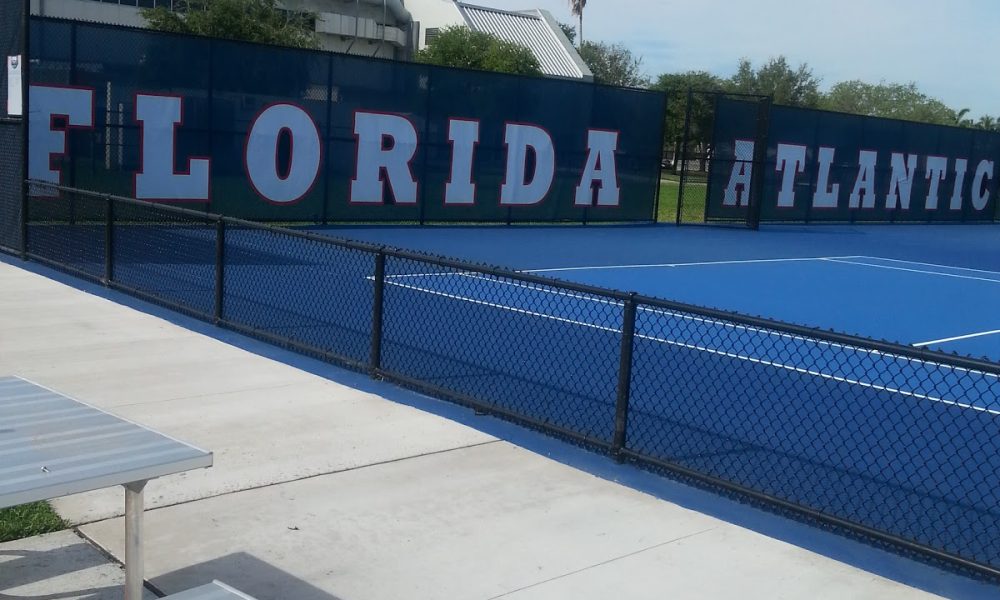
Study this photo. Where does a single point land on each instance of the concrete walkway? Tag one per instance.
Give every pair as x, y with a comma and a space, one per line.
321, 491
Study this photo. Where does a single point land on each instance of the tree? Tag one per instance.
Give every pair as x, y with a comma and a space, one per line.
988, 123
570, 32
676, 86
249, 20
459, 46
576, 7
776, 78
613, 64
889, 100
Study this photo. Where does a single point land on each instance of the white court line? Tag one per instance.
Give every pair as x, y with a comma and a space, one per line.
703, 349
924, 264
653, 309
405, 275
533, 287
864, 264
691, 264
957, 338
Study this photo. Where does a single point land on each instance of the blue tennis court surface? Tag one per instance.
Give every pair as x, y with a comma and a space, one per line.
928, 286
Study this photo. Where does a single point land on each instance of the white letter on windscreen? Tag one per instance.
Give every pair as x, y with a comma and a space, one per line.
601, 170
386, 145
158, 118
75, 106
304, 153
520, 139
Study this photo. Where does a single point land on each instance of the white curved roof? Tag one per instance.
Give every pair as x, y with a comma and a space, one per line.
534, 29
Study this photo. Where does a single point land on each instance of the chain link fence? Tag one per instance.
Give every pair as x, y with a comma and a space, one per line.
11, 173
11, 132
898, 445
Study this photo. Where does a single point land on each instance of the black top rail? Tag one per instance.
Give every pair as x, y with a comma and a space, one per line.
883, 346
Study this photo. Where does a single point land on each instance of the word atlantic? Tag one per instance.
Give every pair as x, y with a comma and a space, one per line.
386, 145
943, 178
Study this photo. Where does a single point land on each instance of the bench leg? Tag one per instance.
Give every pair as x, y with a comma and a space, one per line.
134, 507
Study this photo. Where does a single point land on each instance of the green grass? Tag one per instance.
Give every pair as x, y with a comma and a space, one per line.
27, 520
693, 210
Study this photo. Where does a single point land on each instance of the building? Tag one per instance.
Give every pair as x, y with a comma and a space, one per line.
393, 29
381, 28
535, 29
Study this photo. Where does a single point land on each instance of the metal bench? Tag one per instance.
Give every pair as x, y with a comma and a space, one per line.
213, 591
53, 446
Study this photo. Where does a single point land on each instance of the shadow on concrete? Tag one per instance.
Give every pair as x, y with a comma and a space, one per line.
244, 572
24, 567
35, 570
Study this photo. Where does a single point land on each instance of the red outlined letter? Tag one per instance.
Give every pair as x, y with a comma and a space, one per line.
158, 118
304, 156
519, 139
460, 189
75, 105
387, 144
601, 170
790, 162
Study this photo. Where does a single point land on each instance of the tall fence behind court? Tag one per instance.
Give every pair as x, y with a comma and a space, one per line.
742, 159
225, 85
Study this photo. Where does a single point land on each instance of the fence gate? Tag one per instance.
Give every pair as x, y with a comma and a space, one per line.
703, 163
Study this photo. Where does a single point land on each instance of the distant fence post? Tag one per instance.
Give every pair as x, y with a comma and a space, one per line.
220, 267
660, 158
109, 239
624, 378
759, 160
375, 362
684, 146
25, 112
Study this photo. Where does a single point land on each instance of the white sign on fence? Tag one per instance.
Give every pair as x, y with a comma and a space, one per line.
14, 108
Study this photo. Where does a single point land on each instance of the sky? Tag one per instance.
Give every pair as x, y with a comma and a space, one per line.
950, 48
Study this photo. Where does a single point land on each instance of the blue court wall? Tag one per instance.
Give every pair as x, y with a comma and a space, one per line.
815, 164
226, 84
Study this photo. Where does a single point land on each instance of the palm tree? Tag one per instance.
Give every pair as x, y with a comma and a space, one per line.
988, 123
576, 7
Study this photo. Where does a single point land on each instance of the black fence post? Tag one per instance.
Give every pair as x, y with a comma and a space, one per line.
220, 267
68, 142
25, 115
422, 199
327, 140
109, 239
25, 191
759, 163
660, 158
624, 378
684, 145
375, 362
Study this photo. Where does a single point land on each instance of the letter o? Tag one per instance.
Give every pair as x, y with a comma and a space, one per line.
261, 155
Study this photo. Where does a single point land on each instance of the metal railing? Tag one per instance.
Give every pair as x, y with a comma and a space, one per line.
896, 444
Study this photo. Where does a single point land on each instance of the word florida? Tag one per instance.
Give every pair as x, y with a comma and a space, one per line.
938, 180
386, 146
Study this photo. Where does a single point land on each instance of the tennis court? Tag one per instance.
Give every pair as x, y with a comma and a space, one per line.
928, 286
